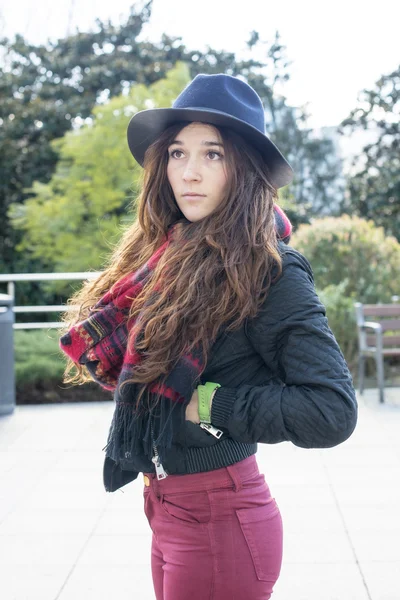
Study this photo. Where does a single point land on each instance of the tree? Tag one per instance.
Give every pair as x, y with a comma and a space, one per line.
71, 222
43, 89
316, 188
352, 252
49, 89
374, 187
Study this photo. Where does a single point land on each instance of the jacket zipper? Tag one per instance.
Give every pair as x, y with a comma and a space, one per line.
160, 471
211, 429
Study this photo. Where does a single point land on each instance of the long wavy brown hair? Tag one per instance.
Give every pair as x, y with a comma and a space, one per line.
219, 268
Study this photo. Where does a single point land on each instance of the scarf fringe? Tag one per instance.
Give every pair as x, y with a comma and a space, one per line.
132, 433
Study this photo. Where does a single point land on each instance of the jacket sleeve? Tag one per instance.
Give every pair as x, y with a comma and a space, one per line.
310, 401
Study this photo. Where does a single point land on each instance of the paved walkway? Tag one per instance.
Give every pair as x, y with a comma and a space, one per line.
62, 537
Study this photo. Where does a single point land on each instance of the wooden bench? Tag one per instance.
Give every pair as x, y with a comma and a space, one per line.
379, 336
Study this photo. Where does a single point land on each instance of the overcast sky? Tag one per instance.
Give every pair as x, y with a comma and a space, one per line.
336, 48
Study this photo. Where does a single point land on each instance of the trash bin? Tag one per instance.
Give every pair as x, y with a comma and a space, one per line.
7, 377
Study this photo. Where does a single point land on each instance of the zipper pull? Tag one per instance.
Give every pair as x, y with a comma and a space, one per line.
160, 472
211, 429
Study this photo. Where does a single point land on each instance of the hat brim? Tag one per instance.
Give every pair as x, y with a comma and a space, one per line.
147, 125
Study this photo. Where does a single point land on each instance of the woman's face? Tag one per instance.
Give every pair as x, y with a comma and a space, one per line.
196, 170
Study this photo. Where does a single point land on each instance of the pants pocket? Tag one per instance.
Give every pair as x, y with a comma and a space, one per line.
189, 507
262, 529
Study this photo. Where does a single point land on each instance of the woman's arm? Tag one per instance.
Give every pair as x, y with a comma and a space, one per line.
311, 402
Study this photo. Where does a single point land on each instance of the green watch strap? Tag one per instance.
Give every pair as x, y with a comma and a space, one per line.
205, 392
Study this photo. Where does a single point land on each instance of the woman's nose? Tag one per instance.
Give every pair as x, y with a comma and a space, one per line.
191, 172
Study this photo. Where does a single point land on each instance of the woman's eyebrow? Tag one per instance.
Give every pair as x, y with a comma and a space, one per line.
204, 143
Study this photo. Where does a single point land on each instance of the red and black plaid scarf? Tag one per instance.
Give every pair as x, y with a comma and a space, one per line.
105, 343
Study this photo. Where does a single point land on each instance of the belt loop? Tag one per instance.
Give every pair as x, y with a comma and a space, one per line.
155, 486
235, 477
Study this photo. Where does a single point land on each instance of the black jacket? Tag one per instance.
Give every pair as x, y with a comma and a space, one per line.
283, 378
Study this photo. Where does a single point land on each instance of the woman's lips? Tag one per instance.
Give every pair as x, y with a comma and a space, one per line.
193, 196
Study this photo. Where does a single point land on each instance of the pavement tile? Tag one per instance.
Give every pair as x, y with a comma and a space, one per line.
376, 518
46, 549
127, 522
15, 489
8, 504
60, 480
51, 498
304, 518
124, 550
81, 460
362, 475
33, 582
329, 581
49, 521
89, 582
368, 495
312, 547
310, 473
300, 496
9, 460
361, 456
382, 579
376, 546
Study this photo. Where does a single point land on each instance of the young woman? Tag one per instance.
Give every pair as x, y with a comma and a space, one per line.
208, 329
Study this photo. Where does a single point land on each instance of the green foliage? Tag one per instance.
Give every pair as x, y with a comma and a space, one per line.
43, 88
88, 197
341, 317
297, 213
353, 252
374, 188
352, 261
71, 221
48, 90
37, 356
39, 368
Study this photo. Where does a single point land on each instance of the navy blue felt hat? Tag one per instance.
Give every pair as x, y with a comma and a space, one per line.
219, 100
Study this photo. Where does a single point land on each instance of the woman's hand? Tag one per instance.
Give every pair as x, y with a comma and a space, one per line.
192, 409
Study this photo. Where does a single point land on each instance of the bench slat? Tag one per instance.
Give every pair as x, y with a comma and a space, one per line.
387, 324
388, 340
390, 325
381, 310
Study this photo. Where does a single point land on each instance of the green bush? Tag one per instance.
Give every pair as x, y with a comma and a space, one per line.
342, 321
352, 261
39, 367
37, 356
353, 252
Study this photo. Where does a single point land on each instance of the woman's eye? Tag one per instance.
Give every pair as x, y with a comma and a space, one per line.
214, 155
175, 152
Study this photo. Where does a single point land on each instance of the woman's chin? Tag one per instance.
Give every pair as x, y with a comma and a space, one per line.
195, 215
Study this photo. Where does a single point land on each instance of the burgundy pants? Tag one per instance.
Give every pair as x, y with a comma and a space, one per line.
216, 535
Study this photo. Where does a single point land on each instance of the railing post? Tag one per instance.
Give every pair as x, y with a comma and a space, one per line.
11, 290
7, 370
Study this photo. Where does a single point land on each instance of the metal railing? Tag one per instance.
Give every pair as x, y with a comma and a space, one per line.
12, 279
